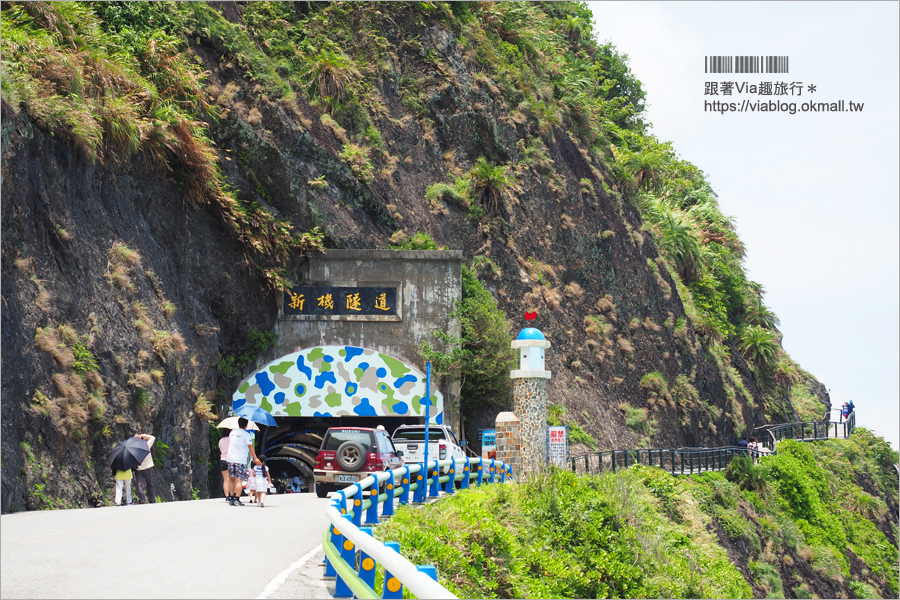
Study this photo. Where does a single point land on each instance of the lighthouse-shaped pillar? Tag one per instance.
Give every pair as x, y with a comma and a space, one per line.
530, 391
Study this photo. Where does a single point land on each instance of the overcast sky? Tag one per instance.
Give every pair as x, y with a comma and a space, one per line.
814, 195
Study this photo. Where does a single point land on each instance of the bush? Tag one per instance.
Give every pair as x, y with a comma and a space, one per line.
482, 357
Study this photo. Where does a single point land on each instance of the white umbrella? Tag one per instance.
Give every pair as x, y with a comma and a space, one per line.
232, 423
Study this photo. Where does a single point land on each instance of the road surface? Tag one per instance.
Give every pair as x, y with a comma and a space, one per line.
191, 549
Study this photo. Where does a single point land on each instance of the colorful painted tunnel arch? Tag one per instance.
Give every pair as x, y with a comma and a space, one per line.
335, 381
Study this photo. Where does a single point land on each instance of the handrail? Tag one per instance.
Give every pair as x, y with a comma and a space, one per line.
683, 461
346, 536
677, 461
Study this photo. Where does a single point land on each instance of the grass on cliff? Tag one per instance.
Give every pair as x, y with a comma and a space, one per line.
643, 533
113, 82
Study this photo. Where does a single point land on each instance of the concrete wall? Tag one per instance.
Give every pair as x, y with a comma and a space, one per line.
429, 282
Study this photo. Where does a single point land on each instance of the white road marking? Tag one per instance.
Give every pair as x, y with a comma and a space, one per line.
279, 579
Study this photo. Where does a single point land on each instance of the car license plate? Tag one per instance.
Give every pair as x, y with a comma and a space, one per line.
347, 478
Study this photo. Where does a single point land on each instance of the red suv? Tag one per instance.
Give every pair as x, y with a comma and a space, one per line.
349, 454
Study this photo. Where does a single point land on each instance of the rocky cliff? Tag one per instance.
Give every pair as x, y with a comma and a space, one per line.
126, 283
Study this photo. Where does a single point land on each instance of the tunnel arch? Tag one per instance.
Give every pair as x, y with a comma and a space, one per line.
310, 390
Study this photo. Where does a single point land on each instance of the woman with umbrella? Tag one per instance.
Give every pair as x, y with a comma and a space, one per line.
124, 457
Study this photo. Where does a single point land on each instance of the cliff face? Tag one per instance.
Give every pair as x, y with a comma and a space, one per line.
111, 258
154, 331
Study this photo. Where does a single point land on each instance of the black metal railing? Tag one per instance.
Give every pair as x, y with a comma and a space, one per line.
688, 461
770, 435
678, 461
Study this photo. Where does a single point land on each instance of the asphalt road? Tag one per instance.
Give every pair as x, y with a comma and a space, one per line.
191, 549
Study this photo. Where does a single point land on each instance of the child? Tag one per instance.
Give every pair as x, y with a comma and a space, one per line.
123, 479
262, 480
250, 485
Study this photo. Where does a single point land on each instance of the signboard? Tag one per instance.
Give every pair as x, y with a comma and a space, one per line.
488, 443
325, 302
557, 445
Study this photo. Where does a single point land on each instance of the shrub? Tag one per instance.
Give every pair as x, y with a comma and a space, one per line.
482, 356
84, 360
490, 184
359, 160
636, 419
746, 475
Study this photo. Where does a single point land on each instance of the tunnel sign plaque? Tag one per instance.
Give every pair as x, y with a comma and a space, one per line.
340, 302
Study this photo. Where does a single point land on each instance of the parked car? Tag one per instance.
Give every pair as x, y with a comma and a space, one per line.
410, 439
349, 454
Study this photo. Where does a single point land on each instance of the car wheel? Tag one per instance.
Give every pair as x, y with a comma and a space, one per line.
351, 456
322, 490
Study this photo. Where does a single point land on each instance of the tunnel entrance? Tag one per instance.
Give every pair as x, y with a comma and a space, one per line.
349, 328
292, 445
313, 389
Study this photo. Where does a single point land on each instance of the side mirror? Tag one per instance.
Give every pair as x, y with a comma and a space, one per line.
399, 453
462, 443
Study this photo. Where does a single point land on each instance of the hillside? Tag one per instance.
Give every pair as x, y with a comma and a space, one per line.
166, 166
817, 520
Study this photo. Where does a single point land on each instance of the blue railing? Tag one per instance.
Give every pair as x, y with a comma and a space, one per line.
352, 554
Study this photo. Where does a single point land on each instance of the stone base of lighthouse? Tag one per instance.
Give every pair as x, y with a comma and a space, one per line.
531, 409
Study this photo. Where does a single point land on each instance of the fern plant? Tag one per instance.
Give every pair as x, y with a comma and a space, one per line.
490, 183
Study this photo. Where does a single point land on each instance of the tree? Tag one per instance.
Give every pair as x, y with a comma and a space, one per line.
482, 357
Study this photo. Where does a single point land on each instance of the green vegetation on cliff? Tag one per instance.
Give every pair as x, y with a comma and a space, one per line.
815, 520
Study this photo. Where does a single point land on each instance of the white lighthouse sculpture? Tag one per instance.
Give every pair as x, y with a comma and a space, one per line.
530, 391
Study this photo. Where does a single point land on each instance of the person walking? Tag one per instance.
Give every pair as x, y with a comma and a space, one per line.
223, 466
239, 445
143, 476
123, 480
753, 448
250, 487
262, 480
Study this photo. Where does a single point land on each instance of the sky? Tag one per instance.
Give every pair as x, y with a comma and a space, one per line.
814, 195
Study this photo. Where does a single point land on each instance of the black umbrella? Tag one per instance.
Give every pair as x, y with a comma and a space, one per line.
128, 454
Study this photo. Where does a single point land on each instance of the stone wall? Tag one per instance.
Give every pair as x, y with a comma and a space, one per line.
509, 441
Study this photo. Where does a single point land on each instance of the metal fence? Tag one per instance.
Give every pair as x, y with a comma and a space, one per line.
770, 435
678, 461
353, 555
688, 461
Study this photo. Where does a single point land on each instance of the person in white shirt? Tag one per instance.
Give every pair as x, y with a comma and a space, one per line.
143, 475
239, 445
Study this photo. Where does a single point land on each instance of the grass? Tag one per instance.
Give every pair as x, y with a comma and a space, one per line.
126, 88
564, 536
806, 404
656, 386
641, 532
203, 409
